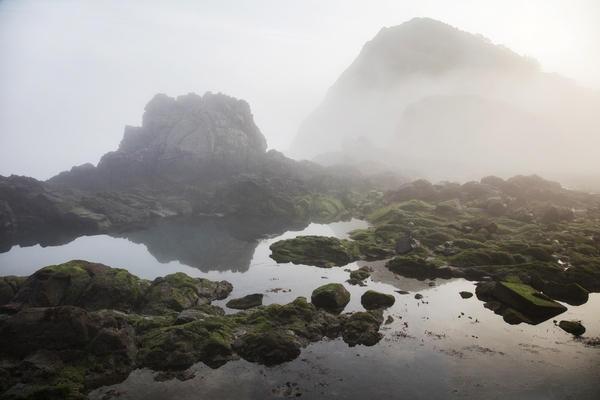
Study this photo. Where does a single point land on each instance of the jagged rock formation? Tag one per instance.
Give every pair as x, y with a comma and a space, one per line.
382, 99
192, 155
192, 139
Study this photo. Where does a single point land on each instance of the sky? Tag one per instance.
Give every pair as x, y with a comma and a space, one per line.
73, 73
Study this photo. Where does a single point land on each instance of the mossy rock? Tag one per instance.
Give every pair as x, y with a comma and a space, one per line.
540, 253
246, 302
513, 317
360, 274
414, 266
471, 258
525, 299
570, 293
319, 251
333, 296
416, 205
372, 300
464, 243
363, 328
572, 327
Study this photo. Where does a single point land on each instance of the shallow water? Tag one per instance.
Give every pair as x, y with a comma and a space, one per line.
441, 346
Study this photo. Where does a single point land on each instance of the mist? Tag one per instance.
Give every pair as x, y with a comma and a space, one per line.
75, 73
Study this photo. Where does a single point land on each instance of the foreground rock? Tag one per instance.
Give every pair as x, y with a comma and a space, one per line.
372, 300
319, 251
333, 296
70, 328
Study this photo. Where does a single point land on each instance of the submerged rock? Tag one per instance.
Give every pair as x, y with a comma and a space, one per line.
573, 327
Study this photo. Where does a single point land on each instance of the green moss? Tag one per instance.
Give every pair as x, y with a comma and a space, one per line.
476, 237
468, 244
72, 268
74, 374
416, 205
470, 258
179, 280
586, 249
540, 253
315, 250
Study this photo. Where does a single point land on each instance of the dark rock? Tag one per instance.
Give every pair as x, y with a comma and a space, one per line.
496, 208
246, 302
416, 267
64, 328
372, 300
363, 328
185, 140
270, 349
6, 292
556, 214
484, 290
333, 296
466, 295
406, 244
315, 250
527, 300
189, 315
571, 293
179, 292
513, 317
484, 191
418, 296
572, 327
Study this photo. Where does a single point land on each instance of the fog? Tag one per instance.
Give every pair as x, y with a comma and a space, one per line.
74, 73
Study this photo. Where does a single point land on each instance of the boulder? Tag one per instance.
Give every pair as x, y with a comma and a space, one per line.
363, 328
406, 244
527, 300
570, 293
319, 251
246, 302
333, 296
372, 300
573, 327
65, 328
179, 291
555, 214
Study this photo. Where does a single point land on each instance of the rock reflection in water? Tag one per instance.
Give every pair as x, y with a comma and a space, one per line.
211, 243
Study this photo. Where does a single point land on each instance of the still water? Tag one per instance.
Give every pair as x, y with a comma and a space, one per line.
438, 347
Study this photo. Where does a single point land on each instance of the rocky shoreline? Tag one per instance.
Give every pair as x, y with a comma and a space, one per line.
70, 328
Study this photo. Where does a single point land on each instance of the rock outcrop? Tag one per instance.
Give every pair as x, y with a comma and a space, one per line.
189, 140
73, 327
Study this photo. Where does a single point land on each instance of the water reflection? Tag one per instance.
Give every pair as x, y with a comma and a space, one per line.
211, 243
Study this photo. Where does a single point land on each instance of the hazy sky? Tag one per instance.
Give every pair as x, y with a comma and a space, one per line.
73, 73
